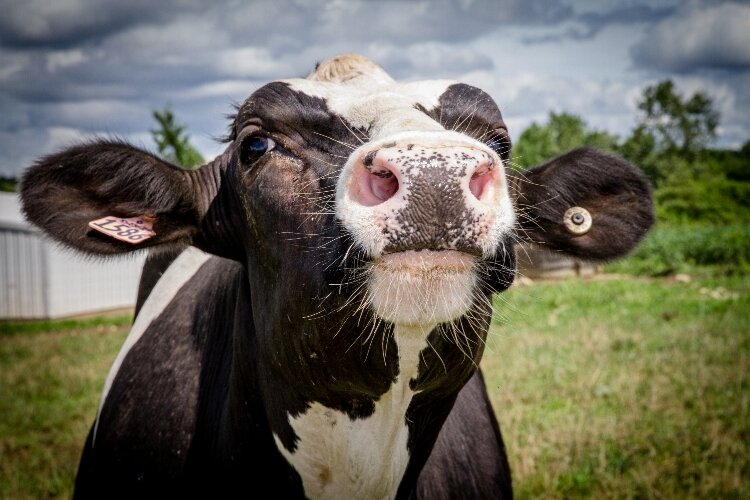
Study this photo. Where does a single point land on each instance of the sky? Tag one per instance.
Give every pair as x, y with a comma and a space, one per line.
72, 70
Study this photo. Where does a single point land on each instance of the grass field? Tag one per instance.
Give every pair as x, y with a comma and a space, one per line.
625, 389
633, 388
50, 381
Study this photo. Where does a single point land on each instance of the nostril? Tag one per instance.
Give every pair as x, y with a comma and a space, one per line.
383, 184
374, 183
480, 179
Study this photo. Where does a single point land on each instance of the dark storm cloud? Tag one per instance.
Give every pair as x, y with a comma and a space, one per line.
65, 23
588, 24
698, 38
155, 47
639, 13
73, 67
436, 20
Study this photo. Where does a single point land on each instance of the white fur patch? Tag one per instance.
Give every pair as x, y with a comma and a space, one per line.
422, 287
382, 108
177, 274
338, 457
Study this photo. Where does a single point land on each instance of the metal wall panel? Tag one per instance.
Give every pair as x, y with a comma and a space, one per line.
79, 284
22, 270
40, 279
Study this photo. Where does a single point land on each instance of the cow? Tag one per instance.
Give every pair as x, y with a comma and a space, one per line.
316, 301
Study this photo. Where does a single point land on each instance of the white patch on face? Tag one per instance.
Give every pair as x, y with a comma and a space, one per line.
338, 457
388, 111
382, 108
421, 287
177, 274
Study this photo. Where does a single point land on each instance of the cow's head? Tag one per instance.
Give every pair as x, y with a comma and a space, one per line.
394, 197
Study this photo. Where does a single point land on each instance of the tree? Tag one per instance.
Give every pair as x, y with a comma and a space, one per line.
640, 148
680, 125
672, 133
172, 141
562, 132
9, 184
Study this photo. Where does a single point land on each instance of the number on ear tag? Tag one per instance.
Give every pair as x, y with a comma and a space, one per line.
132, 230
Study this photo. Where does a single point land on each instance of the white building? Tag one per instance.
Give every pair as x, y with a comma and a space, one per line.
40, 279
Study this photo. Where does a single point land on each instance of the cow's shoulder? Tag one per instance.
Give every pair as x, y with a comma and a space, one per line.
172, 374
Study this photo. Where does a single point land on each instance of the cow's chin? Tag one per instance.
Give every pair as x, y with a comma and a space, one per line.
422, 287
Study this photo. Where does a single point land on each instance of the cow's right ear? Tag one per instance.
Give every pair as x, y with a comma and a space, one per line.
586, 203
64, 192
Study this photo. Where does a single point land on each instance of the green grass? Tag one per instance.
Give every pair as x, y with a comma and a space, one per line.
625, 389
635, 388
12, 327
50, 383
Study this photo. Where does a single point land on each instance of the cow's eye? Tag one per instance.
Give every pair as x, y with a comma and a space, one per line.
500, 145
254, 147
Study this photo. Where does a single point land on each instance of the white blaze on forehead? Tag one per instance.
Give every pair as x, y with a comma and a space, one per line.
350, 69
174, 278
381, 108
338, 457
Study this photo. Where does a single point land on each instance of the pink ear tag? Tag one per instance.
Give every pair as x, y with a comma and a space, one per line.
132, 230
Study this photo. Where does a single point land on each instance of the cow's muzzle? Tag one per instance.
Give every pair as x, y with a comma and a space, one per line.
433, 197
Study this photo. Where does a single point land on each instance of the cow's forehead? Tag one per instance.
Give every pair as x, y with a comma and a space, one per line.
342, 97
380, 109
430, 105
365, 97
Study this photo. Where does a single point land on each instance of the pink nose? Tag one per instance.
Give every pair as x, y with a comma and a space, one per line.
381, 173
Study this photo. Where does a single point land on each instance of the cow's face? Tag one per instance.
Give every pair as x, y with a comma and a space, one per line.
399, 189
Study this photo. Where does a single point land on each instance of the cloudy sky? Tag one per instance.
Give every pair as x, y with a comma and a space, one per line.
72, 69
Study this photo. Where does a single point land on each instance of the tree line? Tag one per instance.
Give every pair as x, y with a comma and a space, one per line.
671, 142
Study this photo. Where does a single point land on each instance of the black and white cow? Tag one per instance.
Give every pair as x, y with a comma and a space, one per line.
321, 334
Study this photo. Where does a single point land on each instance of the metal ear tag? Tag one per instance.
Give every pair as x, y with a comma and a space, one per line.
577, 220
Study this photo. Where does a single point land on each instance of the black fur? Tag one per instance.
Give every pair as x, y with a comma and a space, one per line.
63, 192
617, 195
473, 112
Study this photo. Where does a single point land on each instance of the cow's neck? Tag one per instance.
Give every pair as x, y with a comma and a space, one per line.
334, 386
340, 457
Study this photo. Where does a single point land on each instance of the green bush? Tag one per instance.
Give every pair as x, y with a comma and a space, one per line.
732, 164
713, 201
668, 249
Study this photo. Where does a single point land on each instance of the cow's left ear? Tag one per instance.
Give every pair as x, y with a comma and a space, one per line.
89, 197
586, 203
